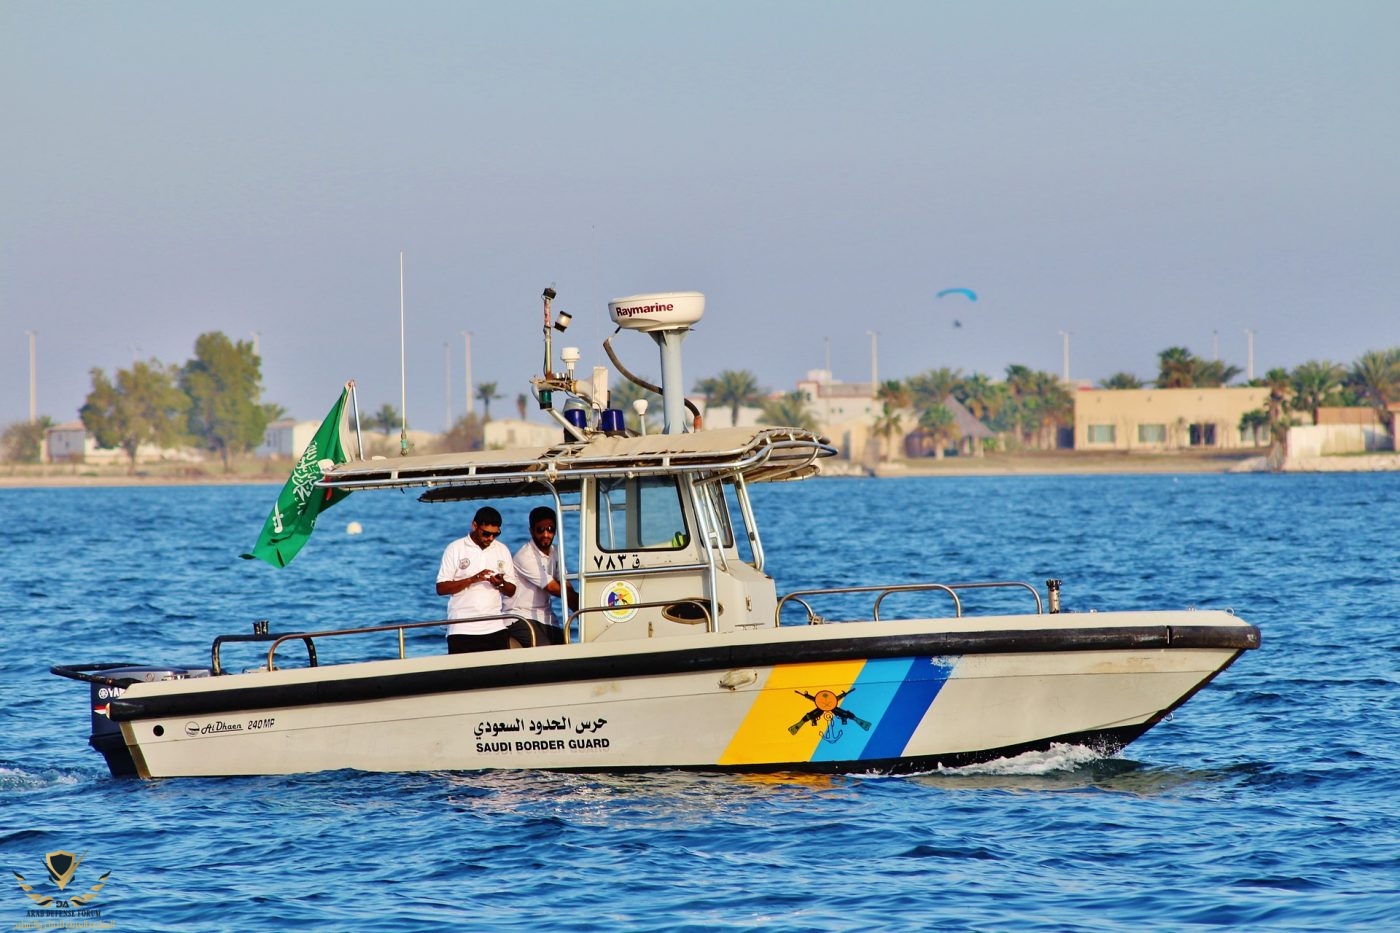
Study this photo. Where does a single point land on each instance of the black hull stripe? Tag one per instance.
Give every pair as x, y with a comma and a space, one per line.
515, 671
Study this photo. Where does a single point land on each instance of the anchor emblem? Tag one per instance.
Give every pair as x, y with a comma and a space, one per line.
826, 708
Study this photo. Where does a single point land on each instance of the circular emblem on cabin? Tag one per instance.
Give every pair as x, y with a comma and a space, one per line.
618, 596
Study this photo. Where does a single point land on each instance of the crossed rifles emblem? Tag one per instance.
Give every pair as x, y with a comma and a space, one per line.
827, 705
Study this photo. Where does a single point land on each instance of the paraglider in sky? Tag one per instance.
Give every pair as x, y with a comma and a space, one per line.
966, 292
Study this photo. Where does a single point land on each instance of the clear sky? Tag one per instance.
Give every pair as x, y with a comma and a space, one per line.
1137, 174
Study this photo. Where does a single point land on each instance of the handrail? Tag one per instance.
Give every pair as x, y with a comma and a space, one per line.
258, 635
80, 672
882, 589
388, 627
703, 604
886, 589
987, 585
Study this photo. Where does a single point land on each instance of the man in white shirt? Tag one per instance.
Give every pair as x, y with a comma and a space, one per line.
477, 576
537, 573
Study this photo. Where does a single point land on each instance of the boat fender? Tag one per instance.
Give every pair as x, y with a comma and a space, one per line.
733, 680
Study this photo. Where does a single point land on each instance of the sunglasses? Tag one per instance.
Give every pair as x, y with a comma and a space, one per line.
488, 534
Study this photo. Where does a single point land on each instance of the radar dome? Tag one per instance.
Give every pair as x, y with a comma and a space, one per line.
658, 311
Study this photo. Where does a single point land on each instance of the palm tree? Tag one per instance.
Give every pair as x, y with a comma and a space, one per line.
708, 389
1376, 377
894, 392
1212, 374
1316, 383
1177, 368
888, 423
386, 419
788, 410
938, 427
486, 391
1280, 387
932, 387
1049, 407
737, 389
1121, 380
983, 398
628, 392
1252, 423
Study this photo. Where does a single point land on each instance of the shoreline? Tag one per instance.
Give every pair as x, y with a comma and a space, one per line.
1030, 463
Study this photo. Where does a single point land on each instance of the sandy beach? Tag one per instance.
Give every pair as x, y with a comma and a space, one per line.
1027, 463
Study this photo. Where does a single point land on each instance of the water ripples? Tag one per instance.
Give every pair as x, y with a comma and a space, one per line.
1265, 803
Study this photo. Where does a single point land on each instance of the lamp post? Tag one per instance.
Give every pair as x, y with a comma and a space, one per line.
1249, 359
467, 346
33, 380
1064, 334
447, 382
874, 364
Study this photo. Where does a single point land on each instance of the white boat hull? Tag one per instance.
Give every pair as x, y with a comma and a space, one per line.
887, 697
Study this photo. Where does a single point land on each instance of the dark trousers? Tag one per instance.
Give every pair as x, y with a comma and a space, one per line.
463, 644
532, 634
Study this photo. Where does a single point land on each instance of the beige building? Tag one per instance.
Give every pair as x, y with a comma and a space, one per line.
1166, 419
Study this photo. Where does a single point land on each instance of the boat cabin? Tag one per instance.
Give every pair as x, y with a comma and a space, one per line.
666, 541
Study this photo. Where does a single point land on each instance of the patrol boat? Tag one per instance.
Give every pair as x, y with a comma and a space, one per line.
682, 653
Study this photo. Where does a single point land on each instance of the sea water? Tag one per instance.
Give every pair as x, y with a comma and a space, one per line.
1270, 801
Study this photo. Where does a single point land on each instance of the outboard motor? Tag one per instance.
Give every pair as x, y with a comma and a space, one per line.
107, 735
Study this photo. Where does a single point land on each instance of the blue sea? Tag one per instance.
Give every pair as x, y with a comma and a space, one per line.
1270, 801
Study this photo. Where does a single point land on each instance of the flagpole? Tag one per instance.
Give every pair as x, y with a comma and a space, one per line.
403, 378
355, 405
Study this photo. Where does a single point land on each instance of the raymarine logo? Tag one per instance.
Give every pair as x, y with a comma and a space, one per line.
643, 309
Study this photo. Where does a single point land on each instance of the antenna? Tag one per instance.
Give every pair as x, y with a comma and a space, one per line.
403, 378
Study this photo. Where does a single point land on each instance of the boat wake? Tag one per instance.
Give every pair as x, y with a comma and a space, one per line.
19, 779
1058, 757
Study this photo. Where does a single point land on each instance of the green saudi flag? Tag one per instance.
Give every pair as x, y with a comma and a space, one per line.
293, 518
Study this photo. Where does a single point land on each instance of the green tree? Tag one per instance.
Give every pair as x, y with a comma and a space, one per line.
937, 429
895, 392
1316, 383
933, 387
1038, 403
1280, 386
143, 405
625, 393
1179, 368
1375, 377
706, 389
1121, 380
735, 388
1176, 368
1254, 423
486, 391
982, 397
788, 410
224, 387
23, 441
386, 419
466, 434
889, 423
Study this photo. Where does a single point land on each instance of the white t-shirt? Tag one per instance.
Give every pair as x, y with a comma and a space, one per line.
463, 559
533, 570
